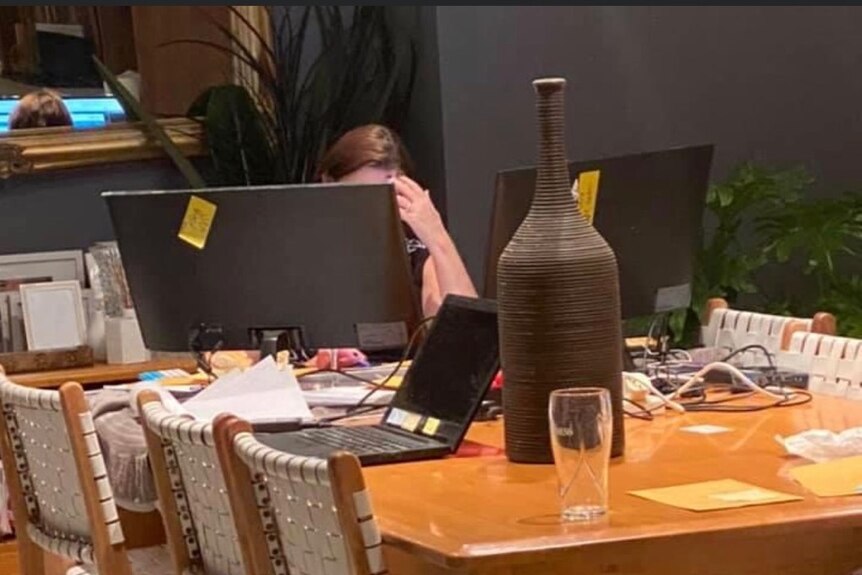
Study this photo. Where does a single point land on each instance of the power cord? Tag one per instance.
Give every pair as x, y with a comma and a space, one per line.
642, 412
375, 385
743, 349
696, 384
798, 397
205, 339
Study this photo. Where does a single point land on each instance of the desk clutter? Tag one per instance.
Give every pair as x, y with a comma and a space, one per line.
59, 303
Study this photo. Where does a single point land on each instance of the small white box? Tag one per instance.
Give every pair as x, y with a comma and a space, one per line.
123, 339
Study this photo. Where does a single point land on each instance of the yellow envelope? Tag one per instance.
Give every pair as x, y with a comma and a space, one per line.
831, 478
713, 495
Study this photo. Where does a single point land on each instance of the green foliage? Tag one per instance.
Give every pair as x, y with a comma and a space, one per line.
767, 217
727, 264
360, 73
275, 129
135, 111
236, 136
817, 230
844, 300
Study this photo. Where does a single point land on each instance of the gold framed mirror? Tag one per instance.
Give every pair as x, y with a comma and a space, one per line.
124, 38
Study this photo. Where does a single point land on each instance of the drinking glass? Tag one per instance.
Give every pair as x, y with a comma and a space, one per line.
581, 424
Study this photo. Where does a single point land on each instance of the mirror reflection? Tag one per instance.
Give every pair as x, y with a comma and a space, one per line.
47, 75
47, 52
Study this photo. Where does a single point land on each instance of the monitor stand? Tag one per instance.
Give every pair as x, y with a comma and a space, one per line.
662, 339
628, 360
271, 340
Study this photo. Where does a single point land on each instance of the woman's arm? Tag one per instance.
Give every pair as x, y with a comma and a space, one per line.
443, 274
444, 271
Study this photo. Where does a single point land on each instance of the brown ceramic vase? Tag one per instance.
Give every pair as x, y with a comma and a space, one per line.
559, 303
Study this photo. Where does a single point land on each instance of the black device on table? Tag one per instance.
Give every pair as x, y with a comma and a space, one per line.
441, 393
321, 265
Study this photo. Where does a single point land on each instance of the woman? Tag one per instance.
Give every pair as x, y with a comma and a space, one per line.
374, 154
40, 109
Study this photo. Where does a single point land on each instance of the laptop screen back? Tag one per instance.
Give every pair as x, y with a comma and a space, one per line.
451, 373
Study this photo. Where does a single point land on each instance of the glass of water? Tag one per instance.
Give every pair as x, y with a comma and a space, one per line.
581, 424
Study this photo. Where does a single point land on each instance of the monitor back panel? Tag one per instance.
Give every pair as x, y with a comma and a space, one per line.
326, 258
649, 209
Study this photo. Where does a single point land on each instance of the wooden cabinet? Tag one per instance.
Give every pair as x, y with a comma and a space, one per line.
173, 76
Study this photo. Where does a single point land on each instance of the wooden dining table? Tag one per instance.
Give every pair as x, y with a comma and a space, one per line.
478, 513
482, 514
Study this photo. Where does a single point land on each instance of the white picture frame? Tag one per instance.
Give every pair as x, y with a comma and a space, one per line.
54, 315
59, 266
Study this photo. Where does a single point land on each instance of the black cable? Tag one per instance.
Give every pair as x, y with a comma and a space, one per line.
375, 385
204, 364
380, 385
202, 342
728, 399
736, 352
364, 410
341, 372
644, 414
365, 380
788, 401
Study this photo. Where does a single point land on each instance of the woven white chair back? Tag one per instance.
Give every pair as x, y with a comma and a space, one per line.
198, 489
833, 364
297, 504
731, 329
45, 466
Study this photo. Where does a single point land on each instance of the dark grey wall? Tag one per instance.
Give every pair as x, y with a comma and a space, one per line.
63, 210
777, 85
423, 133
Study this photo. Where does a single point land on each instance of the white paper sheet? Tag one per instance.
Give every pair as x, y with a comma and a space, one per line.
261, 393
346, 396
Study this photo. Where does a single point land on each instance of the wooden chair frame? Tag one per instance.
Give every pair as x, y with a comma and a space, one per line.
346, 481
108, 547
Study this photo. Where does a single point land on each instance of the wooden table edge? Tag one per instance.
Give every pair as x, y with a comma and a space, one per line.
472, 556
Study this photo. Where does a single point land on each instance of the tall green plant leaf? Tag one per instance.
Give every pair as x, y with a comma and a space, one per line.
237, 140
156, 131
363, 73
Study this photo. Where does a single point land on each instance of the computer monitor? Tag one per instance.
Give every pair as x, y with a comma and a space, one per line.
89, 112
649, 208
327, 259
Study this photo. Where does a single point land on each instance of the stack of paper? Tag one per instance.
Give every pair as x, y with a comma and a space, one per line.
260, 394
347, 396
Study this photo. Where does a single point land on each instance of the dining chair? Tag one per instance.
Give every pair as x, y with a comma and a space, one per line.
61, 496
298, 515
191, 490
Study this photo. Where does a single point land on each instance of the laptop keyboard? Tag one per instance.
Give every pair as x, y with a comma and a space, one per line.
363, 440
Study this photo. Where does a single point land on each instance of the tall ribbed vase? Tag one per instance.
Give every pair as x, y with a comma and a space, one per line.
558, 298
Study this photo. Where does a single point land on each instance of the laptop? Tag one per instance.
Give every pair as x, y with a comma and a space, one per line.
440, 394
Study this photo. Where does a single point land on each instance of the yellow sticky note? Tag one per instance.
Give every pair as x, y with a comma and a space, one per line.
432, 424
197, 222
411, 422
713, 495
831, 478
588, 193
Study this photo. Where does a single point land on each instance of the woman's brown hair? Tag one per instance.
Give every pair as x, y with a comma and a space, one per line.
371, 144
40, 109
